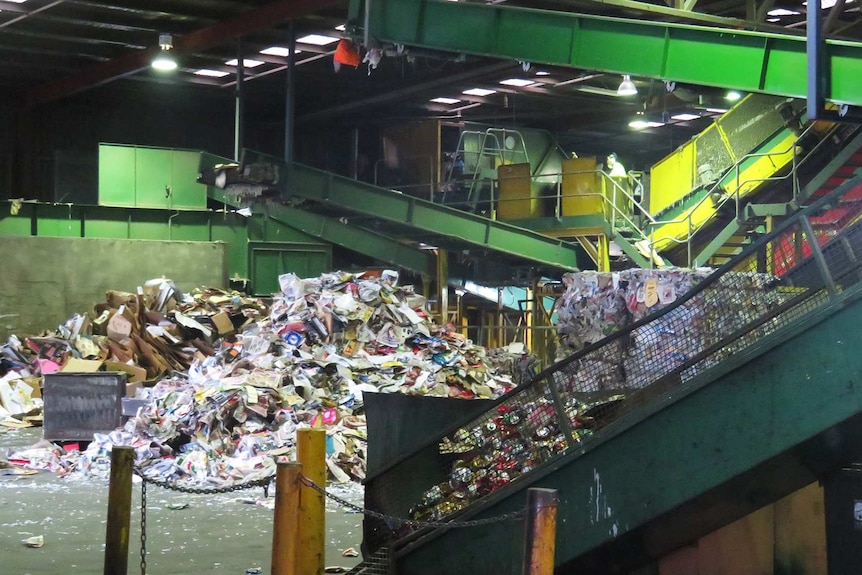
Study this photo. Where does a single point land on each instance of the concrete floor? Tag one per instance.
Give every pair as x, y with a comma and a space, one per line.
214, 534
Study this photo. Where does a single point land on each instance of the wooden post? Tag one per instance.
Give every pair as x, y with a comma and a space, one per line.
119, 511
311, 453
541, 532
285, 526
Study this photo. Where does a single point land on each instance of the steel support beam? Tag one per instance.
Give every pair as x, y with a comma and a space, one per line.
740, 59
252, 21
359, 197
363, 241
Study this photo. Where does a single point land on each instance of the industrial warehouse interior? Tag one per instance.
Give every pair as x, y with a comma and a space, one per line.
431, 287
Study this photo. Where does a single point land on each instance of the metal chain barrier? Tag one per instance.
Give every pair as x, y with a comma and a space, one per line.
143, 527
391, 519
172, 486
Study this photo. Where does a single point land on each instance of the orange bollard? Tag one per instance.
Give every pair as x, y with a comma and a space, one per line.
541, 532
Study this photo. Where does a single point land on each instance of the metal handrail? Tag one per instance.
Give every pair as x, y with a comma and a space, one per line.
735, 195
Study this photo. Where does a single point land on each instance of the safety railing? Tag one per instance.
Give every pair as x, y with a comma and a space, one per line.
681, 338
717, 196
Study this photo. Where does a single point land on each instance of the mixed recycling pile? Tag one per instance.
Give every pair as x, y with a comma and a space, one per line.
492, 451
230, 379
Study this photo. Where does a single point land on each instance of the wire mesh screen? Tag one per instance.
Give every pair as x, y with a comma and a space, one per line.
751, 122
785, 275
712, 155
377, 563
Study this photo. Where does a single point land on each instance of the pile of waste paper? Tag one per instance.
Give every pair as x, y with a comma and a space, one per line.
227, 380
597, 304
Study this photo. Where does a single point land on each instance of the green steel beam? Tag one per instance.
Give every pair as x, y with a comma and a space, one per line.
631, 251
374, 245
751, 61
768, 422
715, 243
328, 188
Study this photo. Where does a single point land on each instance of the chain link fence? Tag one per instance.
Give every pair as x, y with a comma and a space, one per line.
798, 268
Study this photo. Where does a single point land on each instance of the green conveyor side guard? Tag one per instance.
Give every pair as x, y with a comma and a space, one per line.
752, 61
297, 180
734, 395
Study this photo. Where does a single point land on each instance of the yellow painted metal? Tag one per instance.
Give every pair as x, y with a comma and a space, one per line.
285, 524
443, 285
581, 190
673, 177
753, 175
749, 180
604, 250
518, 198
598, 252
311, 453
591, 250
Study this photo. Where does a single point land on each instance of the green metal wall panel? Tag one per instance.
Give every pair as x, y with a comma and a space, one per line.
59, 221
231, 229
189, 226
149, 225
752, 61
268, 260
20, 224
152, 177
186, 193
102, 222
116, 175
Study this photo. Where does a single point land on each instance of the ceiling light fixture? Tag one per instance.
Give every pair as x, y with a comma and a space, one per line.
445, 100
716, 110
542, 73
519, 82
627, 87
211, 73
280, 51
732, 96
164, 62
317, 39
246, 63
641, 124
685, 117
479, 92
782, 12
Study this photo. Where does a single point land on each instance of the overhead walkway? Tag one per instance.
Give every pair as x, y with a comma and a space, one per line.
736, 394
751, 61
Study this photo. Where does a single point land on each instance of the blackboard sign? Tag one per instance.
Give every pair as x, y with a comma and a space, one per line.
77, 405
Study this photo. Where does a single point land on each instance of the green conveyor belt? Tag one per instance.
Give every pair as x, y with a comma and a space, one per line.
358, 197
740, 422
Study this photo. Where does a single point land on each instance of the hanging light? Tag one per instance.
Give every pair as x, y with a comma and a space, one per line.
164, 62
627, 87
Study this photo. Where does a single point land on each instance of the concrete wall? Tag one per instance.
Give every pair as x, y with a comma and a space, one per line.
43, 280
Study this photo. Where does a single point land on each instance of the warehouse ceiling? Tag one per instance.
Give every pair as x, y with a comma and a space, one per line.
53, 49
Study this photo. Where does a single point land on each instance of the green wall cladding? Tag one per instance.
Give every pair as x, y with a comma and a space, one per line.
144, 177
258, 247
